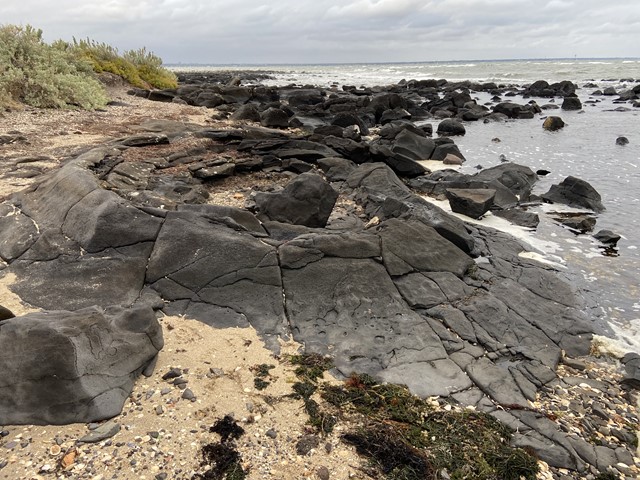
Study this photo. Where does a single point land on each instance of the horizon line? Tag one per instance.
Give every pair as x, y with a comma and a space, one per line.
282, 64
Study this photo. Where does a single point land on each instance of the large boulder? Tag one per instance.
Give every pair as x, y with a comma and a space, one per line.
575, 192
553, 123
450, 127
519, 179
571, 103
472, 202
64, 367
274, 118
413, 146
306, 200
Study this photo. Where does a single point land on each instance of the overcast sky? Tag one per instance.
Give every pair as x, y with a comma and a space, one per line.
333, 31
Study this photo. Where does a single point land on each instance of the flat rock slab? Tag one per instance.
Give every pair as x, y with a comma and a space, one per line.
472, 202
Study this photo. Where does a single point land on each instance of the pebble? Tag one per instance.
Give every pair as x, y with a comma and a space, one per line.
271, 433
189, 395
104, 431
306, 444
323, 473
173, 373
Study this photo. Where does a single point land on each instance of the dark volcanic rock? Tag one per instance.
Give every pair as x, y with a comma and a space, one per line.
622, 141
577, 221
413, 146
571, 103
472, 202
519, 217
274, 118
73, 367
306, 200
575, 192
553, 123
409, 246
450, 126
607, 236
517, 178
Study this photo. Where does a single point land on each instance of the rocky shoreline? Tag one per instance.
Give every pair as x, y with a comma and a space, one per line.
299, 212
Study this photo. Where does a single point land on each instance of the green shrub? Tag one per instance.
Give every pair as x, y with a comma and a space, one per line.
42, 75
150, 68
140, 68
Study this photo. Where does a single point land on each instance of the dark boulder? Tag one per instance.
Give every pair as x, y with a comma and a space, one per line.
449, 127
631, 362
306, 97
306, 200
571, 103
248, 112
517, 178
412, 145
73, 367
274, 118
607, 237
575, 192
349, 119
553, 123
393, 115
401, 164
471, 202
581, 222
513, 110
622, 141
441, 151
336, 169
5, 313
356, 151
392, 129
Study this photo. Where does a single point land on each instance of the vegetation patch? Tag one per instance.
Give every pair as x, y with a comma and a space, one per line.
63, 74
42, 75
140, 68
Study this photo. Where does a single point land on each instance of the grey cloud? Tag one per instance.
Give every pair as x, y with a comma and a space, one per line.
247, 31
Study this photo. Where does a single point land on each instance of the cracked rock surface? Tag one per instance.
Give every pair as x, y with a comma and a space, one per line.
416, 297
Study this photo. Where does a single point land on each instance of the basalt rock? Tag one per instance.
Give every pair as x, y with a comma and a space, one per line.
571, 103
73, 367
306, 200
471, 202
575, 192
394, 286
553, 123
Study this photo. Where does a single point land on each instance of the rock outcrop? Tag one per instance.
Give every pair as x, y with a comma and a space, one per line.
64, 367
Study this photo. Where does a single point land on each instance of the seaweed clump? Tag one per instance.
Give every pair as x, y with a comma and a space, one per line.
222, 458
309, 369
406, 438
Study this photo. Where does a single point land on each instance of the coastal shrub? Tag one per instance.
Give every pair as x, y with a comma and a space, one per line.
140, 68
150, 69
42, 75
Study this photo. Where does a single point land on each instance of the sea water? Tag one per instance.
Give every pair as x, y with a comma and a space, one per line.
586, 148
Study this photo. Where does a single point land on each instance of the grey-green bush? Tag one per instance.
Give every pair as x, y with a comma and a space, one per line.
42, 75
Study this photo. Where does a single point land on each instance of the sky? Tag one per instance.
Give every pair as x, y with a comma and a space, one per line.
346, 31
